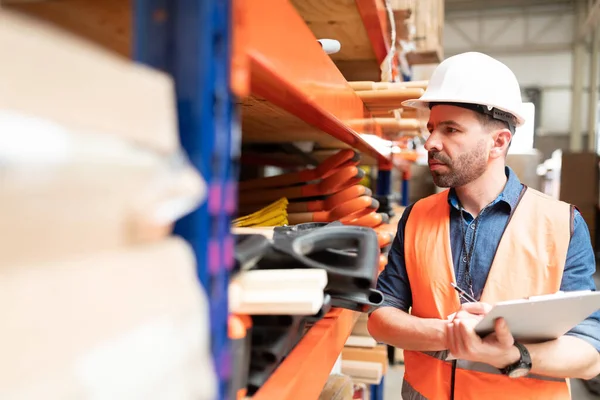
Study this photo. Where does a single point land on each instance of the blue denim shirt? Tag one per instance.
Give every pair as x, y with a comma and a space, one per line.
579, 268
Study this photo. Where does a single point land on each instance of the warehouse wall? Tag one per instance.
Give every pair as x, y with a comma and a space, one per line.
536, 44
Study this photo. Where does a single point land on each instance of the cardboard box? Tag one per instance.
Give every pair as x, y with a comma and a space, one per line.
525, 166
84, 193
129, 324
52, 75
377, 354
579, 179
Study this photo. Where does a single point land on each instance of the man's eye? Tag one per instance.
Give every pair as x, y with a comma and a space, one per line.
451, 130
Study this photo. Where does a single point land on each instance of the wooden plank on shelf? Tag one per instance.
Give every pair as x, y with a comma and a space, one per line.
432, 56
303, 373
370, 85
105, 22
263, 122
339, 20
359, 70
361, 26
286, 160
429, 26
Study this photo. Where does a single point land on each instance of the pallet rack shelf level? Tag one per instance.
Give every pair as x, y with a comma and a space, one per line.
305, 370
289, 70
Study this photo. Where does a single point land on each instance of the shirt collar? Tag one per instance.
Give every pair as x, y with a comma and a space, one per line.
509, 195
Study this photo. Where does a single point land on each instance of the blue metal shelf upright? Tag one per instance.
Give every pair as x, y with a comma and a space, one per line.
191, 40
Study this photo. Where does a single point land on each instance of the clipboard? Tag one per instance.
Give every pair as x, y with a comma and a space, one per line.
542, 318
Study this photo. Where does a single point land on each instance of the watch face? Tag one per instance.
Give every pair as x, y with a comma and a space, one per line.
518, 372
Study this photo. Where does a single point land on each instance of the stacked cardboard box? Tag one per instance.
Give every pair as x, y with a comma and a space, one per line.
100, 300
363, 359
525, 166
579, 185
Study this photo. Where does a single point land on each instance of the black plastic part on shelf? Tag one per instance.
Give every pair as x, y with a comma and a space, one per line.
365, 301
301, 229
313, 250
364, 240
323, 311
349, 255
249, 248
273, 337
240, 353
386, 203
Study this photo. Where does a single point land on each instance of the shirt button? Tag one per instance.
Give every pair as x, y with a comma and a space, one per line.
464, 259
472, 226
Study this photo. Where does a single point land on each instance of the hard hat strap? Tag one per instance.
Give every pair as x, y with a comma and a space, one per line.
501, 116
492, 112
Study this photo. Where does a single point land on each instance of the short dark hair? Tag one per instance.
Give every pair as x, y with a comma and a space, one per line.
488, 122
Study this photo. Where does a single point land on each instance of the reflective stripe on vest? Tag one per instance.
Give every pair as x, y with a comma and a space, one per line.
490, 382
529, 261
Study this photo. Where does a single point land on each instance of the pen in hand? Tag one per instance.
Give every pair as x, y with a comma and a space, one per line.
463, 294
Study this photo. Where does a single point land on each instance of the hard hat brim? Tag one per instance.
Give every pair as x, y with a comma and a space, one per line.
424, 104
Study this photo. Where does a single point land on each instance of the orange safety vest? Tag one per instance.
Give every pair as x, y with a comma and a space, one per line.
529, 261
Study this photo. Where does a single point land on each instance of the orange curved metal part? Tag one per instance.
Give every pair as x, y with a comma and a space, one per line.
330, 202
344, 158
353, 209
389, 228
309, 85
341, 179
384, 237
371, 220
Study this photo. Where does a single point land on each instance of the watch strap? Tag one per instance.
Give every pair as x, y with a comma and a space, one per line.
524, 362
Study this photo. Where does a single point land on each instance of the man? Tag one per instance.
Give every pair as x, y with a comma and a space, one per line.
492, 237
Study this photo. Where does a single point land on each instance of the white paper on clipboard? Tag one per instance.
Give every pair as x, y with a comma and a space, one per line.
542, 318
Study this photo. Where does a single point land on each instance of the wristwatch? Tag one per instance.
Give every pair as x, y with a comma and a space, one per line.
521, 367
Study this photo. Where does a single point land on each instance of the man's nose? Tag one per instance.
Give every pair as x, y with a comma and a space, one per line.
433, 143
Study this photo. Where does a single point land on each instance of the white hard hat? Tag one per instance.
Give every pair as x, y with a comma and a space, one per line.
474, 78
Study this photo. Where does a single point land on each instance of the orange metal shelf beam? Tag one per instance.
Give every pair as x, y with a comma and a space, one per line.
376, 21
289, 69
303, 373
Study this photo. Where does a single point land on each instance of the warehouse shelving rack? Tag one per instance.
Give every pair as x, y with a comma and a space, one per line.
191, 40
225, 56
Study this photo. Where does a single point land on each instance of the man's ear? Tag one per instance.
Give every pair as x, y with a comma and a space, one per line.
501, 143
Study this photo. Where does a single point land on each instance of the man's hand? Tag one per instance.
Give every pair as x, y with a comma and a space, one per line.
496, 349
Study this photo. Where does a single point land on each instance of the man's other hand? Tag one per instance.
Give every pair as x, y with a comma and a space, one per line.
496, 349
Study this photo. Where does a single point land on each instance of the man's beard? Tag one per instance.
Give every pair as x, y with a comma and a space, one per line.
463, 170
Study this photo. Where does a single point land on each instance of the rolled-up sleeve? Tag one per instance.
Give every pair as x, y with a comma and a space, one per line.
393, 280
579, 272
